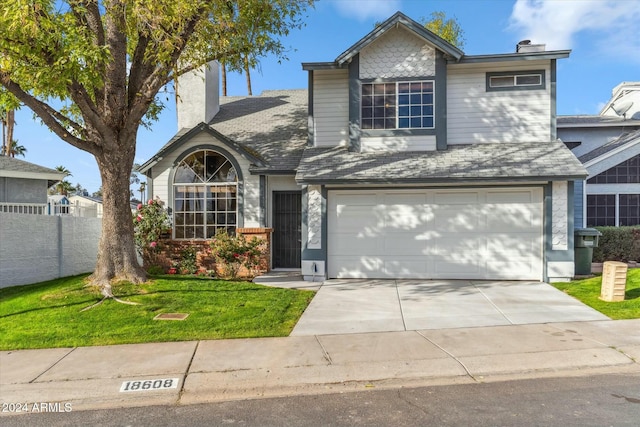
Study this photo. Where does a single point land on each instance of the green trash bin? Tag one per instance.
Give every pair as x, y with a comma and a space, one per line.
585, 239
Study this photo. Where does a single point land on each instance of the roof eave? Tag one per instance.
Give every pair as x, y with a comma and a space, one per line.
399, 19
201, 127
500, 57
439, 180
311, 66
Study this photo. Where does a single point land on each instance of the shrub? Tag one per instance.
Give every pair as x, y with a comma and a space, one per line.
189, 260
235, 252
618, 244
154, 270
150, 223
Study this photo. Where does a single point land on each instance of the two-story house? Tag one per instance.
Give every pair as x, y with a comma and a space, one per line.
608, 145
405, 158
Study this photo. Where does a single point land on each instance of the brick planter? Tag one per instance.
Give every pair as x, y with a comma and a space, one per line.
170, 253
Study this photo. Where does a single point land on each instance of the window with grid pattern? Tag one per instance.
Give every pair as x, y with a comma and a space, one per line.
627, 172
601, 210
629, 209
401, 105
205, 196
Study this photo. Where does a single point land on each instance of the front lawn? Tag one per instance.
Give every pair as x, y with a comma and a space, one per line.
48, 314
588, 291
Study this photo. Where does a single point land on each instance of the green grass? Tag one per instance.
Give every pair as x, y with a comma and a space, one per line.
48, 314
588, 291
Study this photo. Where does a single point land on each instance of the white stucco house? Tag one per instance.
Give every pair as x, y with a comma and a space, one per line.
608, 145
404, 158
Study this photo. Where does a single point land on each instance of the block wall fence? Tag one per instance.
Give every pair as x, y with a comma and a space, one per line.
35, 248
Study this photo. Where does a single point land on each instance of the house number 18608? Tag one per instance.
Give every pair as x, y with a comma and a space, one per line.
147, 385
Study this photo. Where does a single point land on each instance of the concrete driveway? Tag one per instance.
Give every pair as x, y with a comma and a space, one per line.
360, 306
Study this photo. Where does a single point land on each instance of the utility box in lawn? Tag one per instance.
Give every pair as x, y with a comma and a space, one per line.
614, 281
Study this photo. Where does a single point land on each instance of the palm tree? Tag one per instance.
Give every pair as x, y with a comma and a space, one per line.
15, 149
64, 187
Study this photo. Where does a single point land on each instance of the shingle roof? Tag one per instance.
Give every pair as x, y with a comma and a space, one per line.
272, 125
626, 138
476, 162
12, 164
16, 168
270, 128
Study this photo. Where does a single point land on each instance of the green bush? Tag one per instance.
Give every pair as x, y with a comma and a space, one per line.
189, 260
618, 244
235, 252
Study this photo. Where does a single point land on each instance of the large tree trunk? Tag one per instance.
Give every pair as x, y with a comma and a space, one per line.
116, 251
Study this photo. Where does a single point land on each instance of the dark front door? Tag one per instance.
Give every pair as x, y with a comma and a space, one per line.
287, 229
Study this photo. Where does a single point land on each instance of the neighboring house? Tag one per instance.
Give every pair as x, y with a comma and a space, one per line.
405, 158
58, 204
24, 185
86, 206
608, 145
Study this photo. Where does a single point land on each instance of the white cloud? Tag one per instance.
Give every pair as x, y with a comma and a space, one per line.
611, 24
366, 9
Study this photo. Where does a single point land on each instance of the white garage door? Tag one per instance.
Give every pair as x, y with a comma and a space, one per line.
436, 234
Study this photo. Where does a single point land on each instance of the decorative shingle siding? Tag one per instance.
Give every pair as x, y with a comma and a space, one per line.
475, 115
314, 215
559, 225
331, 107
397, 54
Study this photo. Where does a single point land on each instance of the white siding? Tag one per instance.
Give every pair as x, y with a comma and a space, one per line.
162, 186
475, 115
331, 107
399, 143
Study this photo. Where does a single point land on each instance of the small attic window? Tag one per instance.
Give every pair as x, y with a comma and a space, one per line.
520, 80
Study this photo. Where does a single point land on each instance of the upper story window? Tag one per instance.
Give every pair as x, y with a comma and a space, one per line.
400, 105
205, 189
512, 80
627, 172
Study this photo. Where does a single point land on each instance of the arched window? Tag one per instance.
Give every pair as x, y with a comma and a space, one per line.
205, 189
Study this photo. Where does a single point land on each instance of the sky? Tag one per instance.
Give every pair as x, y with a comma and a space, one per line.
602, 34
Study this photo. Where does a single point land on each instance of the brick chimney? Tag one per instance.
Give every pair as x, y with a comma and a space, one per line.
198, 95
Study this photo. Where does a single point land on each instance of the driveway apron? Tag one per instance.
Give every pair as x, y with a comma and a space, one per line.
377, 305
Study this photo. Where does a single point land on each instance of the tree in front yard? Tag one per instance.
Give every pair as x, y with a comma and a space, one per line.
91, 70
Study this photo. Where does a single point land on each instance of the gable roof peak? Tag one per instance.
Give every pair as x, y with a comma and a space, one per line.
415, 27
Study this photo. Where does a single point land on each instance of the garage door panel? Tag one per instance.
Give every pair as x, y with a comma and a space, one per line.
457, 198
449, 234
523, 269
405, 244
456, 218
345, 244
351, 218
410, 267
512, 197
357, 267
511, 246
510, 217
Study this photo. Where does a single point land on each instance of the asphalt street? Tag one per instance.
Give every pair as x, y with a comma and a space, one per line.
603, 400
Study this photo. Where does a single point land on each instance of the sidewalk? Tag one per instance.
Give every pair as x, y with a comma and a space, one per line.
212, 371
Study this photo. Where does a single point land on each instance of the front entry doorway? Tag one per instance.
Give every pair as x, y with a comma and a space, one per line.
287, 229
